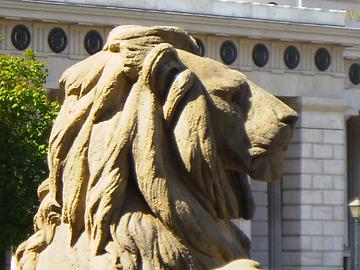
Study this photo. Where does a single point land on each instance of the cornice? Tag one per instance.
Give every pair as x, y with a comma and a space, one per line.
194, 23
352, 53
225, 8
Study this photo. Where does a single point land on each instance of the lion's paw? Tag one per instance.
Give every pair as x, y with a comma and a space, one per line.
242, 264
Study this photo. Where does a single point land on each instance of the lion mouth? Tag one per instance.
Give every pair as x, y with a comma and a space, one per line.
257, 151
266, 167
266, 160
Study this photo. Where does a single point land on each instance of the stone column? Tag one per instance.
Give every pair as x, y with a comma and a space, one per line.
314, 188
260, 224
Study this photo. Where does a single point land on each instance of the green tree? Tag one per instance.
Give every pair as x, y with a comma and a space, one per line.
26, 117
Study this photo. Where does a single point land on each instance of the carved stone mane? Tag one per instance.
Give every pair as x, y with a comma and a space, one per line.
148, 158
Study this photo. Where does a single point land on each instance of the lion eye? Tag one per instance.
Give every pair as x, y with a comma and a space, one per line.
170, 77
166, 75
160, 69
245, 88
240, 96
237, 98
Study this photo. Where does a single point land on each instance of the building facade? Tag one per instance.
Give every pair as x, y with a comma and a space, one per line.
305, 52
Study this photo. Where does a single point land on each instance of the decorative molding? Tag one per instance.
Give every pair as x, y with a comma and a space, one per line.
209, 24
225, 8
352, 53
276, 67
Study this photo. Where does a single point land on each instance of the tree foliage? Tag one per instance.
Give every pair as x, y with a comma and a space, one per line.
26, 117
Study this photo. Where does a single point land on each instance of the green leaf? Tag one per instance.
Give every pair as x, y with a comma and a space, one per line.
26, 117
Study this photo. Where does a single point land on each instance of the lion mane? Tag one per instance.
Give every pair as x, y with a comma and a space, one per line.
135, 178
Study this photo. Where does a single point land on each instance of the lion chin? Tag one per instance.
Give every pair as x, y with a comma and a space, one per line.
148, 159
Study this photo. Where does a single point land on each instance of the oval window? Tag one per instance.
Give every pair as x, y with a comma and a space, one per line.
228, 52
354, 74
93, 42
260, 55
57, 40
322, 59
291, 57
201, 46
20, 37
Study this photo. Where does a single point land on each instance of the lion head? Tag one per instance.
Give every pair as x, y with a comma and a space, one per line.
149, 155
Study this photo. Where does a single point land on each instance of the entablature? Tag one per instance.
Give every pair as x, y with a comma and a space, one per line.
331, 29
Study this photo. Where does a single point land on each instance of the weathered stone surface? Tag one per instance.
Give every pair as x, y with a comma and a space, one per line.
148, 159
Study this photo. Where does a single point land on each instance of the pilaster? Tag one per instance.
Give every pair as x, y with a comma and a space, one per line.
314, 188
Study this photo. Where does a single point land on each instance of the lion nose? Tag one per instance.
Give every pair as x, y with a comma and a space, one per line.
285, 114
289, 120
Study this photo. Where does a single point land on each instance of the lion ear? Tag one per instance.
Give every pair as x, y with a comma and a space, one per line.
166, 76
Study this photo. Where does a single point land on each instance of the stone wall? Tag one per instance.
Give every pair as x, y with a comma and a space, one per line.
260, 224
314, 189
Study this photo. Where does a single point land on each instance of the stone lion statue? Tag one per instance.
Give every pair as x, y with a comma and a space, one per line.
148, 159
